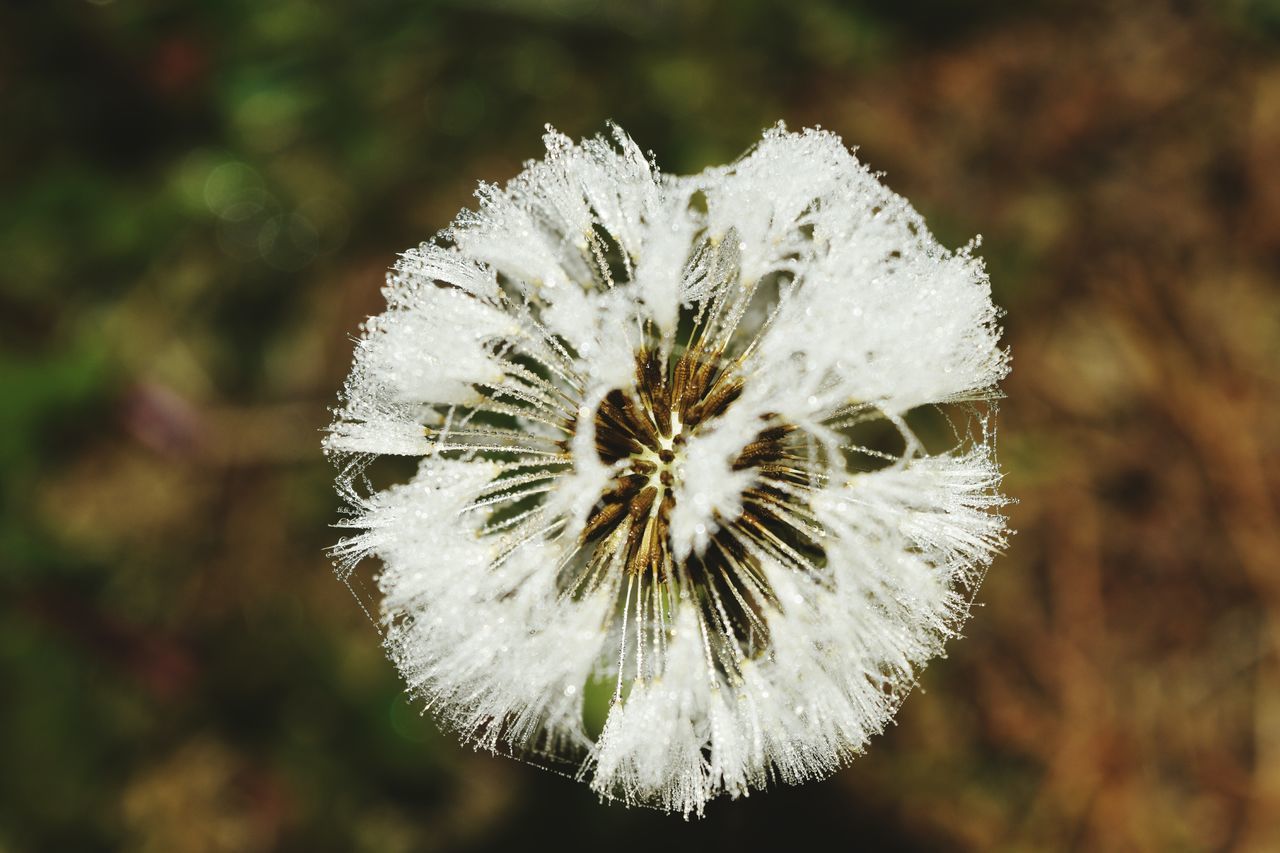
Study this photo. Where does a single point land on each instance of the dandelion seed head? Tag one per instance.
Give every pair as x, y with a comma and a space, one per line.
639, 404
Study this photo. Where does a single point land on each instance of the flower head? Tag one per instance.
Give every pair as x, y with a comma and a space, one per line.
665, 442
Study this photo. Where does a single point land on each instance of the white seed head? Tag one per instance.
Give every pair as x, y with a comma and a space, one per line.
666, 448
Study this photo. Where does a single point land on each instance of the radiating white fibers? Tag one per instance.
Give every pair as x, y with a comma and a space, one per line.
719, 447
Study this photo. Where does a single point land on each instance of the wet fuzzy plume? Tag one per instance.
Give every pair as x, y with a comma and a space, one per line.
667, 441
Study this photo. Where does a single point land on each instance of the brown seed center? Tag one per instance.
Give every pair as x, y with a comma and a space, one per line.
643, 431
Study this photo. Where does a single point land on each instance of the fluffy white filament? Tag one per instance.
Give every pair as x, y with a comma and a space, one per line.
805, 577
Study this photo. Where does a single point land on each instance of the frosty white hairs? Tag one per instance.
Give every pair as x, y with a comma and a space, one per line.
666, 444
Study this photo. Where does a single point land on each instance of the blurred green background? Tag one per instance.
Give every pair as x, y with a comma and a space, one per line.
198, 203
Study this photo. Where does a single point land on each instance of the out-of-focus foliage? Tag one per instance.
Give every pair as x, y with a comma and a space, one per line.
198, 203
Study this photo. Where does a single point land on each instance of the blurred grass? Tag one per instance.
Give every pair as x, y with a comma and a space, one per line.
198, 204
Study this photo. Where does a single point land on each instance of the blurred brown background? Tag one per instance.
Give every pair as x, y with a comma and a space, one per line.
199, 201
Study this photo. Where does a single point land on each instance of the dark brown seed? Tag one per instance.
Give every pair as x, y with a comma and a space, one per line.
634, 426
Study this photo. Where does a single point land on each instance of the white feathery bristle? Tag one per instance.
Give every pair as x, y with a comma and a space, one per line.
646, 410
